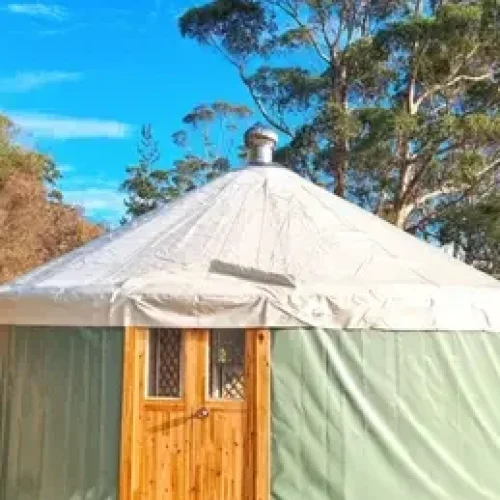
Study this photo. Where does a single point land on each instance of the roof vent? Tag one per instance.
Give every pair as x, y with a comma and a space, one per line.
260, 142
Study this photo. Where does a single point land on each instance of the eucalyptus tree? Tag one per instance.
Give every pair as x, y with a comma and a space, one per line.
393, 104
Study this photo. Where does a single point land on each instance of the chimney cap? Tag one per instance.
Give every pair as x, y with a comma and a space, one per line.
259, 135
260, 142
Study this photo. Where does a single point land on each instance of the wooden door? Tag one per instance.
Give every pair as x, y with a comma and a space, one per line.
195, 420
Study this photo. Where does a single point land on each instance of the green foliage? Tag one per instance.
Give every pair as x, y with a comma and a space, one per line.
473, 230
237, 24
15, 158
283, 89
207, 146
145, 185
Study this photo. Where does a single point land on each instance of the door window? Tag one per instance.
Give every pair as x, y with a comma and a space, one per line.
227, 364
165, 355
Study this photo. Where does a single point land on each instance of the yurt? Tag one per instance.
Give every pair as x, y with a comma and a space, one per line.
257, 338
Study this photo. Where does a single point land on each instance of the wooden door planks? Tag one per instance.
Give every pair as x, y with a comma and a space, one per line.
169, 455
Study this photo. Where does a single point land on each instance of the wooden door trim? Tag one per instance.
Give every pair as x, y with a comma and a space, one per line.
133, 374
134, 399
258, 359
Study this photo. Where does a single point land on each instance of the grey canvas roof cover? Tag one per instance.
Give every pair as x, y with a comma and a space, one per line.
257, 247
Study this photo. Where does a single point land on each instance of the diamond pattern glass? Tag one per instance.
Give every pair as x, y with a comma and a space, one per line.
165, 365
227, 364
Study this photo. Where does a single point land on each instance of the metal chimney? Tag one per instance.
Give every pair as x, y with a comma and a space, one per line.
260, 142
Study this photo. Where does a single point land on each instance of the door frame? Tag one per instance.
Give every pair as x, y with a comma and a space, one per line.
257, 362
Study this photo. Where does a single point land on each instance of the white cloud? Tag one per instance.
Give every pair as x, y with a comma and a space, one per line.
24, 81
76, 182
64, 127
97, 202
47, 11
65, 168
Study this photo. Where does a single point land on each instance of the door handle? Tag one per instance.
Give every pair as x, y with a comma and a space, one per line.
202, 413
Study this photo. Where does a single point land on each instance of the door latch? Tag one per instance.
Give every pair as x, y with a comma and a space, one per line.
202, 413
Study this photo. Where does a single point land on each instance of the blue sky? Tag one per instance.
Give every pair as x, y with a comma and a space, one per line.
81, 76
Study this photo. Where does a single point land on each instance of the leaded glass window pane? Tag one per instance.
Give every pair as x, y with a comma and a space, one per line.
227, 364
165, 363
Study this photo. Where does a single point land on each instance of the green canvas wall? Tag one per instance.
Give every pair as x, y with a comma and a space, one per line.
60, 406
385, 415
355, 415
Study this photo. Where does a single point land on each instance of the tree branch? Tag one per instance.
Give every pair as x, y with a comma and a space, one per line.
443, 191
365, 18
279, 125
336, 43
323, 22
492, 166
454, 81
220, 49
464, 190
426, 154
282, 127
453, 77
379, 208
293, 13
428, 217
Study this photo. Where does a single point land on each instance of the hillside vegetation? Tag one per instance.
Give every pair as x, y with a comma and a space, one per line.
35, 224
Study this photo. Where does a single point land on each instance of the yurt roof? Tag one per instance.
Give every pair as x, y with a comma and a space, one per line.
260, 246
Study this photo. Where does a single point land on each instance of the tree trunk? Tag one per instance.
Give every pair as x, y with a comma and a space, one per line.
339, 168
340, 149
400, 217
403, 205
